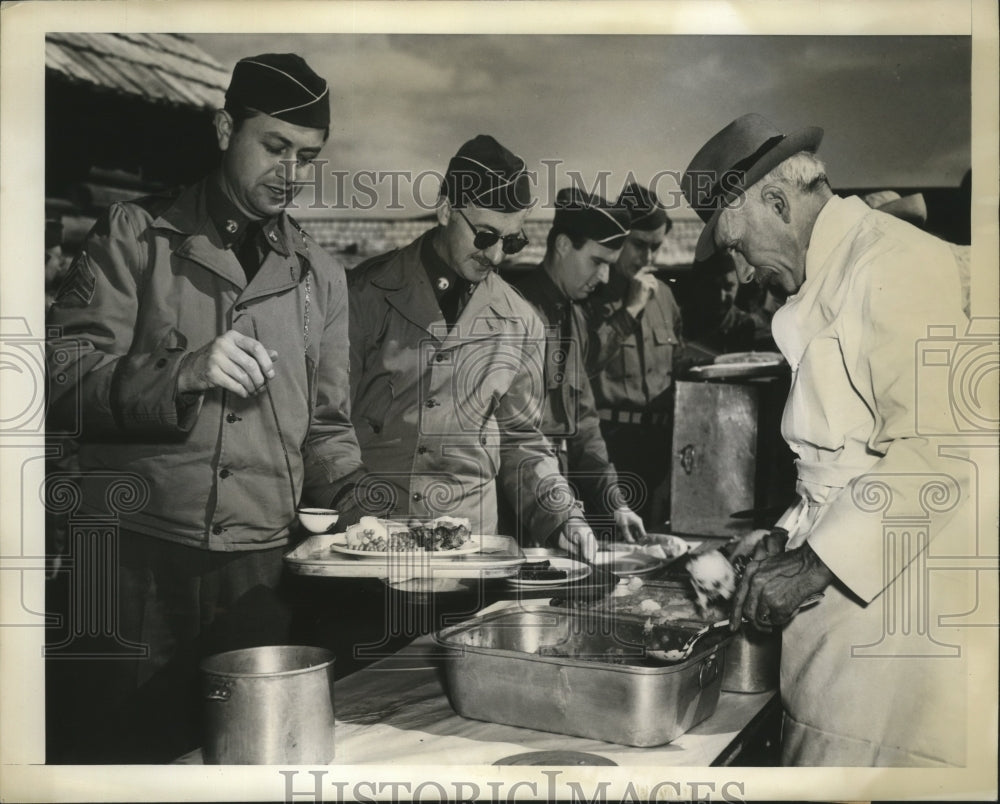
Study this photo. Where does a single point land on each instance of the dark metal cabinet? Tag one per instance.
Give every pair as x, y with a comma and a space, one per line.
728, 455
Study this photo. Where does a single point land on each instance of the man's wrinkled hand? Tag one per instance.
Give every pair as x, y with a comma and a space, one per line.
232, 361
772, 589
578, 539
629, 526
772, 544
744, 546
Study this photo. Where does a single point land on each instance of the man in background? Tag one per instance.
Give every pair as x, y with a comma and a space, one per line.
585, 240
637, 326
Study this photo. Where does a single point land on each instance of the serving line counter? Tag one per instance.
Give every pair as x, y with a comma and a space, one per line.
396, 711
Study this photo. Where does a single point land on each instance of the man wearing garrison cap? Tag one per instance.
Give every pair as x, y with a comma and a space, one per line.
204, 346
446, 365
585, 240
637, 326
874, 673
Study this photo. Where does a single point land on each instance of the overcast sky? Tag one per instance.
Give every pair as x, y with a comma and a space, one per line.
896, 110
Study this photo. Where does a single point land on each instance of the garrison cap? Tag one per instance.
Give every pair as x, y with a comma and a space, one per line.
485, 174
582, 214
281, 85
646, 213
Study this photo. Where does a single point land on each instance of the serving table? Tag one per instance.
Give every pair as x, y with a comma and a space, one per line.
396, 711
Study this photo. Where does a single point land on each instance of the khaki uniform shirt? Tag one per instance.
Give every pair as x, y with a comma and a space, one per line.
632, 365
154, 283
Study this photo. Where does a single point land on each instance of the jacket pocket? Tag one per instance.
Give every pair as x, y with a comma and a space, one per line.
660, 359
664, 344
375, 405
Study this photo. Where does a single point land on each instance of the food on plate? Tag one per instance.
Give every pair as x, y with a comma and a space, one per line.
443, 533
541, 571
664, 546
749, 357
654, 550
383, 536
371, 533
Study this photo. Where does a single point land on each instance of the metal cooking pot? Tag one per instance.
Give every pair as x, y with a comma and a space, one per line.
269, 706
752, 661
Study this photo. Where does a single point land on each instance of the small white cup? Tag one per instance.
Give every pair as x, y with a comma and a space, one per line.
318, 520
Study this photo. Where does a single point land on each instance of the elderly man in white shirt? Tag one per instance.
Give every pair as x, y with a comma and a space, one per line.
865, 680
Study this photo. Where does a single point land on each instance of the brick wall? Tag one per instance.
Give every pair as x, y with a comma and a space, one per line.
356, 238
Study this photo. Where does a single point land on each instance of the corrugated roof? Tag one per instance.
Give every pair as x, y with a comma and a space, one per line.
161, 68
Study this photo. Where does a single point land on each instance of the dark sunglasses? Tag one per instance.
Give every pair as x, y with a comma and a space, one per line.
485, 238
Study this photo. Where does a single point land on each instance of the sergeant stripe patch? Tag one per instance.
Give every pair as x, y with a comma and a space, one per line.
77, 289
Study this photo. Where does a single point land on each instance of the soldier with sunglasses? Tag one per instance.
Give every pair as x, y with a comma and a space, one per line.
447, 366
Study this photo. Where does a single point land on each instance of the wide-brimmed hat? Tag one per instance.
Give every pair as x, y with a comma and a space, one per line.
734, 159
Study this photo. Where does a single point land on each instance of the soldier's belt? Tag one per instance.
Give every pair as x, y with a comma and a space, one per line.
647, 418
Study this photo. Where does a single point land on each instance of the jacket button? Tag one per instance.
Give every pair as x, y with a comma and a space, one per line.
417, 497
224, 474
376, 429
432, 403
422, 450
161, 362
232, 418
559, 378
439, 357
217, 529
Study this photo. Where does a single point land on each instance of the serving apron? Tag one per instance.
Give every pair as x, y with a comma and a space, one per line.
855, 695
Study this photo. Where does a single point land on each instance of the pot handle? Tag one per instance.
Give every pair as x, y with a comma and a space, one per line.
709, 671
218, 690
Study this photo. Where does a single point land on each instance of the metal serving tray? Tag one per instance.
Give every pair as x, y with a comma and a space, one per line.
578, 673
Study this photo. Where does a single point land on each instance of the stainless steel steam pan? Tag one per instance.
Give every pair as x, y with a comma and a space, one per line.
579, 673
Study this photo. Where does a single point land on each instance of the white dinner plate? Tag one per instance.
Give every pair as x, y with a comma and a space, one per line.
575, 571
765, 358
735, 370
627, 564
474, 545
741, 364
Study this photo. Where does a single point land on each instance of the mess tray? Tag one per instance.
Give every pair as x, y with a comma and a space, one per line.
499, 557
